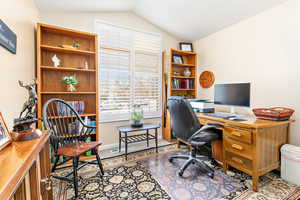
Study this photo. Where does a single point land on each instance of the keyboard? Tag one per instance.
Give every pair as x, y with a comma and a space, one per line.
221, 115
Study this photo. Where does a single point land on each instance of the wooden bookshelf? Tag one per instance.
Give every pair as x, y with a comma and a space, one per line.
190, 62
49, 78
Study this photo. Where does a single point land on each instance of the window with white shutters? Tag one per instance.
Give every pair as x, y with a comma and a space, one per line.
129, 71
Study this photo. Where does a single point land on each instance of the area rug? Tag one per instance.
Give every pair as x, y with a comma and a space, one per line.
147, 175
129, 181
194, 184
235, 185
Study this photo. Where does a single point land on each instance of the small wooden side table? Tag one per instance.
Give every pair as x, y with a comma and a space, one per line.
127, 139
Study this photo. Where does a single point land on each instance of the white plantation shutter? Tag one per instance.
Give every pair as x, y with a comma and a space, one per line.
147, 82
115, 95
130, 71
112, 36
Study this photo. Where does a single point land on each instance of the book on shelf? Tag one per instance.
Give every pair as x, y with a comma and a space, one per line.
182, 83
191, 84
185, 84
63, 110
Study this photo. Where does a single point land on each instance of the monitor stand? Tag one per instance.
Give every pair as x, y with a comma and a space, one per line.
232, 111
234, 114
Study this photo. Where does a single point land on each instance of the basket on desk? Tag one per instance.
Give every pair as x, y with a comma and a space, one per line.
275, 113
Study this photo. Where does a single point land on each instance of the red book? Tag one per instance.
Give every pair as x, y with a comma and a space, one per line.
185, 84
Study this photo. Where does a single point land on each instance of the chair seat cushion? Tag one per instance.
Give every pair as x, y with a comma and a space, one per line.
204, 137
76, 149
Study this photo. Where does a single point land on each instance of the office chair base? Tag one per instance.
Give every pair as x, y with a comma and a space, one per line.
193, 159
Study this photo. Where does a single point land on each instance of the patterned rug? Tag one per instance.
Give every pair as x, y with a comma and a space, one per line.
129, 181
194, 184
147, 175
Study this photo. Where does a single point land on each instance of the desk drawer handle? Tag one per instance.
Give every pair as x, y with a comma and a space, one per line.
236, 146
236, 134
237, 160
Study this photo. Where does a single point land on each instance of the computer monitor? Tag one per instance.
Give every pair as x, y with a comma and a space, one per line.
237, 94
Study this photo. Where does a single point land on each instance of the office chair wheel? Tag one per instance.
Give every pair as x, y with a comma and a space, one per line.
211, 175
170, 160
213, 162
180, 173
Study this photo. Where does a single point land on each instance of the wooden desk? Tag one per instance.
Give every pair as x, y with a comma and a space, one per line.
251, 146
20, 159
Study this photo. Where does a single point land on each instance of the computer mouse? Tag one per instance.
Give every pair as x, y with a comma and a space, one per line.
237, 119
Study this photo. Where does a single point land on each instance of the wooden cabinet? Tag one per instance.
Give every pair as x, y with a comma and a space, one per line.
252, 146
26, 159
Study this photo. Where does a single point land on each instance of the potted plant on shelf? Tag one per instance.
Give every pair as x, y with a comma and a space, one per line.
71, 81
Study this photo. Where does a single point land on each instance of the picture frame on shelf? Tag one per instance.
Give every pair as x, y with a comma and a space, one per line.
186, 46
177, 59
5, 137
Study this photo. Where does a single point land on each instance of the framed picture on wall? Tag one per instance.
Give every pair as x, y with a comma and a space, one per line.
8, 38
5, 138
185, 46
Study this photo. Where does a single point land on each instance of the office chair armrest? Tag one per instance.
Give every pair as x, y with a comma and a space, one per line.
215, 125
206, 127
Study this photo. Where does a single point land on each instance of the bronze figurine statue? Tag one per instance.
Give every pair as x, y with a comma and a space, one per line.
22, 125
29, 107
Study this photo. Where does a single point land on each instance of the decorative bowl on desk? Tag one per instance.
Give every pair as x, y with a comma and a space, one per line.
275, 113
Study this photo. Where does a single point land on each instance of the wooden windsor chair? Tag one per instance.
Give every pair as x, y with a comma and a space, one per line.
61, 119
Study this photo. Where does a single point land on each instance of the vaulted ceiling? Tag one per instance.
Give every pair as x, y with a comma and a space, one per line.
185, 19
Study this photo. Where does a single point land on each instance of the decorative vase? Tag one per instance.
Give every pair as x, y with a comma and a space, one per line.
187, 72
137, 116
71, 88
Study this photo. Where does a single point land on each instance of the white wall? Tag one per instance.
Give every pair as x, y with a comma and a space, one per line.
21, 17
263, 50
85, 22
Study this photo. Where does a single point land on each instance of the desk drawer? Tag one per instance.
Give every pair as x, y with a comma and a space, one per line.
238, 161
239, 148
239, 135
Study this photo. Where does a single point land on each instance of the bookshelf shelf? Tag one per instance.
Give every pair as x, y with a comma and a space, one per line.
76, 135
68, 93
180, 52
70, 116
49, 78
180, 89
66, 50
183, 65
184, 77
66, 69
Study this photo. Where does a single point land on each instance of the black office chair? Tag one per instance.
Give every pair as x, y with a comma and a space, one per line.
186, 126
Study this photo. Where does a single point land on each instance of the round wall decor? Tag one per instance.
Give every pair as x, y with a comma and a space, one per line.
206, 79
